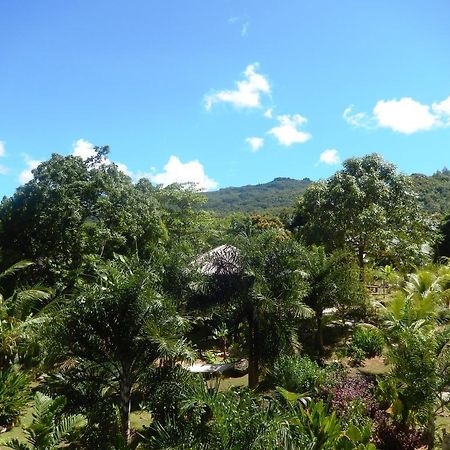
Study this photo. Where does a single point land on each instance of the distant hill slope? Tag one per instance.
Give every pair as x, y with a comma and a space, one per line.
433, 191
279, 193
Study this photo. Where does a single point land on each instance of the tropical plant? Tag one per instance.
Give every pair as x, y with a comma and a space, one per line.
297, 374
116, 327
369, 340
211, 419
15, 392
321, 429
18, 315
49, 429
272, 301
333, 283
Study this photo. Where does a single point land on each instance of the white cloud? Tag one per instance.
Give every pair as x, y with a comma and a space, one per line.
255, 143
330, 156
2, 149
356, 119
177, 172
442, 109
287, 132
247, 93
85, 149
406, 115
268, 113
123, 168
26, 174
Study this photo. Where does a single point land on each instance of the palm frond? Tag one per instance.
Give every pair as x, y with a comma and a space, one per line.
17, 267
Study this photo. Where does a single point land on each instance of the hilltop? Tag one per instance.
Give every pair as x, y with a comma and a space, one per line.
433, 192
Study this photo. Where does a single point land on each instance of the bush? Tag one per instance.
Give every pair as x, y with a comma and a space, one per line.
297, 374
14, 395
368, 340
166, 389
347, 390
390, 435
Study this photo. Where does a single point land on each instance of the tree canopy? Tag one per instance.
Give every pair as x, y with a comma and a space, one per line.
368, 207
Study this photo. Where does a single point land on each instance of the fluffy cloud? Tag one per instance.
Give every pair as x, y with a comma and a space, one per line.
330, 156
247, 93
442, 110
287, 132
85, 149
26, 175
177, 172
406, 116
2, 149
255, 143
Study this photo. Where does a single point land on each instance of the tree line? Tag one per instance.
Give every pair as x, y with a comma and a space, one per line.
111, 289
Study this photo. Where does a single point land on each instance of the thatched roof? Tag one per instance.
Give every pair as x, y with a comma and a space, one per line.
222, 260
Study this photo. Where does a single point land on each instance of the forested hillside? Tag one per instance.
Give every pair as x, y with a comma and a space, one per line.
434, 191
434, 194
280, 192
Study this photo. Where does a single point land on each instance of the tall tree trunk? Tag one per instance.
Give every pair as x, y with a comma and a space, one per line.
361, 263
319, 333
253, 343
125, 405
431, 429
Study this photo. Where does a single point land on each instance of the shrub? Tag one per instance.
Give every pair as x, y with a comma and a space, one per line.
390, 435
166, 390
14, 395
369, 340
297, 374
348, 390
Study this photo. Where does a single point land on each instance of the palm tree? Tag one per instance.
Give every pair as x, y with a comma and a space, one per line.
333, 282
18, 315
113, 329
260, 280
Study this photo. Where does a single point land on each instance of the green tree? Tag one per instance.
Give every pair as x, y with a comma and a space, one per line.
333, 283
444, 244
369, 208
113, 329
73, 208
261, 283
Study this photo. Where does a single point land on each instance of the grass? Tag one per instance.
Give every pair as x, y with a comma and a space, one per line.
17, 431
374, 366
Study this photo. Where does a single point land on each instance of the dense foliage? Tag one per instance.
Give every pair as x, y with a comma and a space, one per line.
433, 194
114, 293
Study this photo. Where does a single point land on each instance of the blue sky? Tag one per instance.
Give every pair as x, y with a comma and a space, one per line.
224, 92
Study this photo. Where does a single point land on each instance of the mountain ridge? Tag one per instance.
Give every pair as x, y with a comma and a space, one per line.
281, 193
